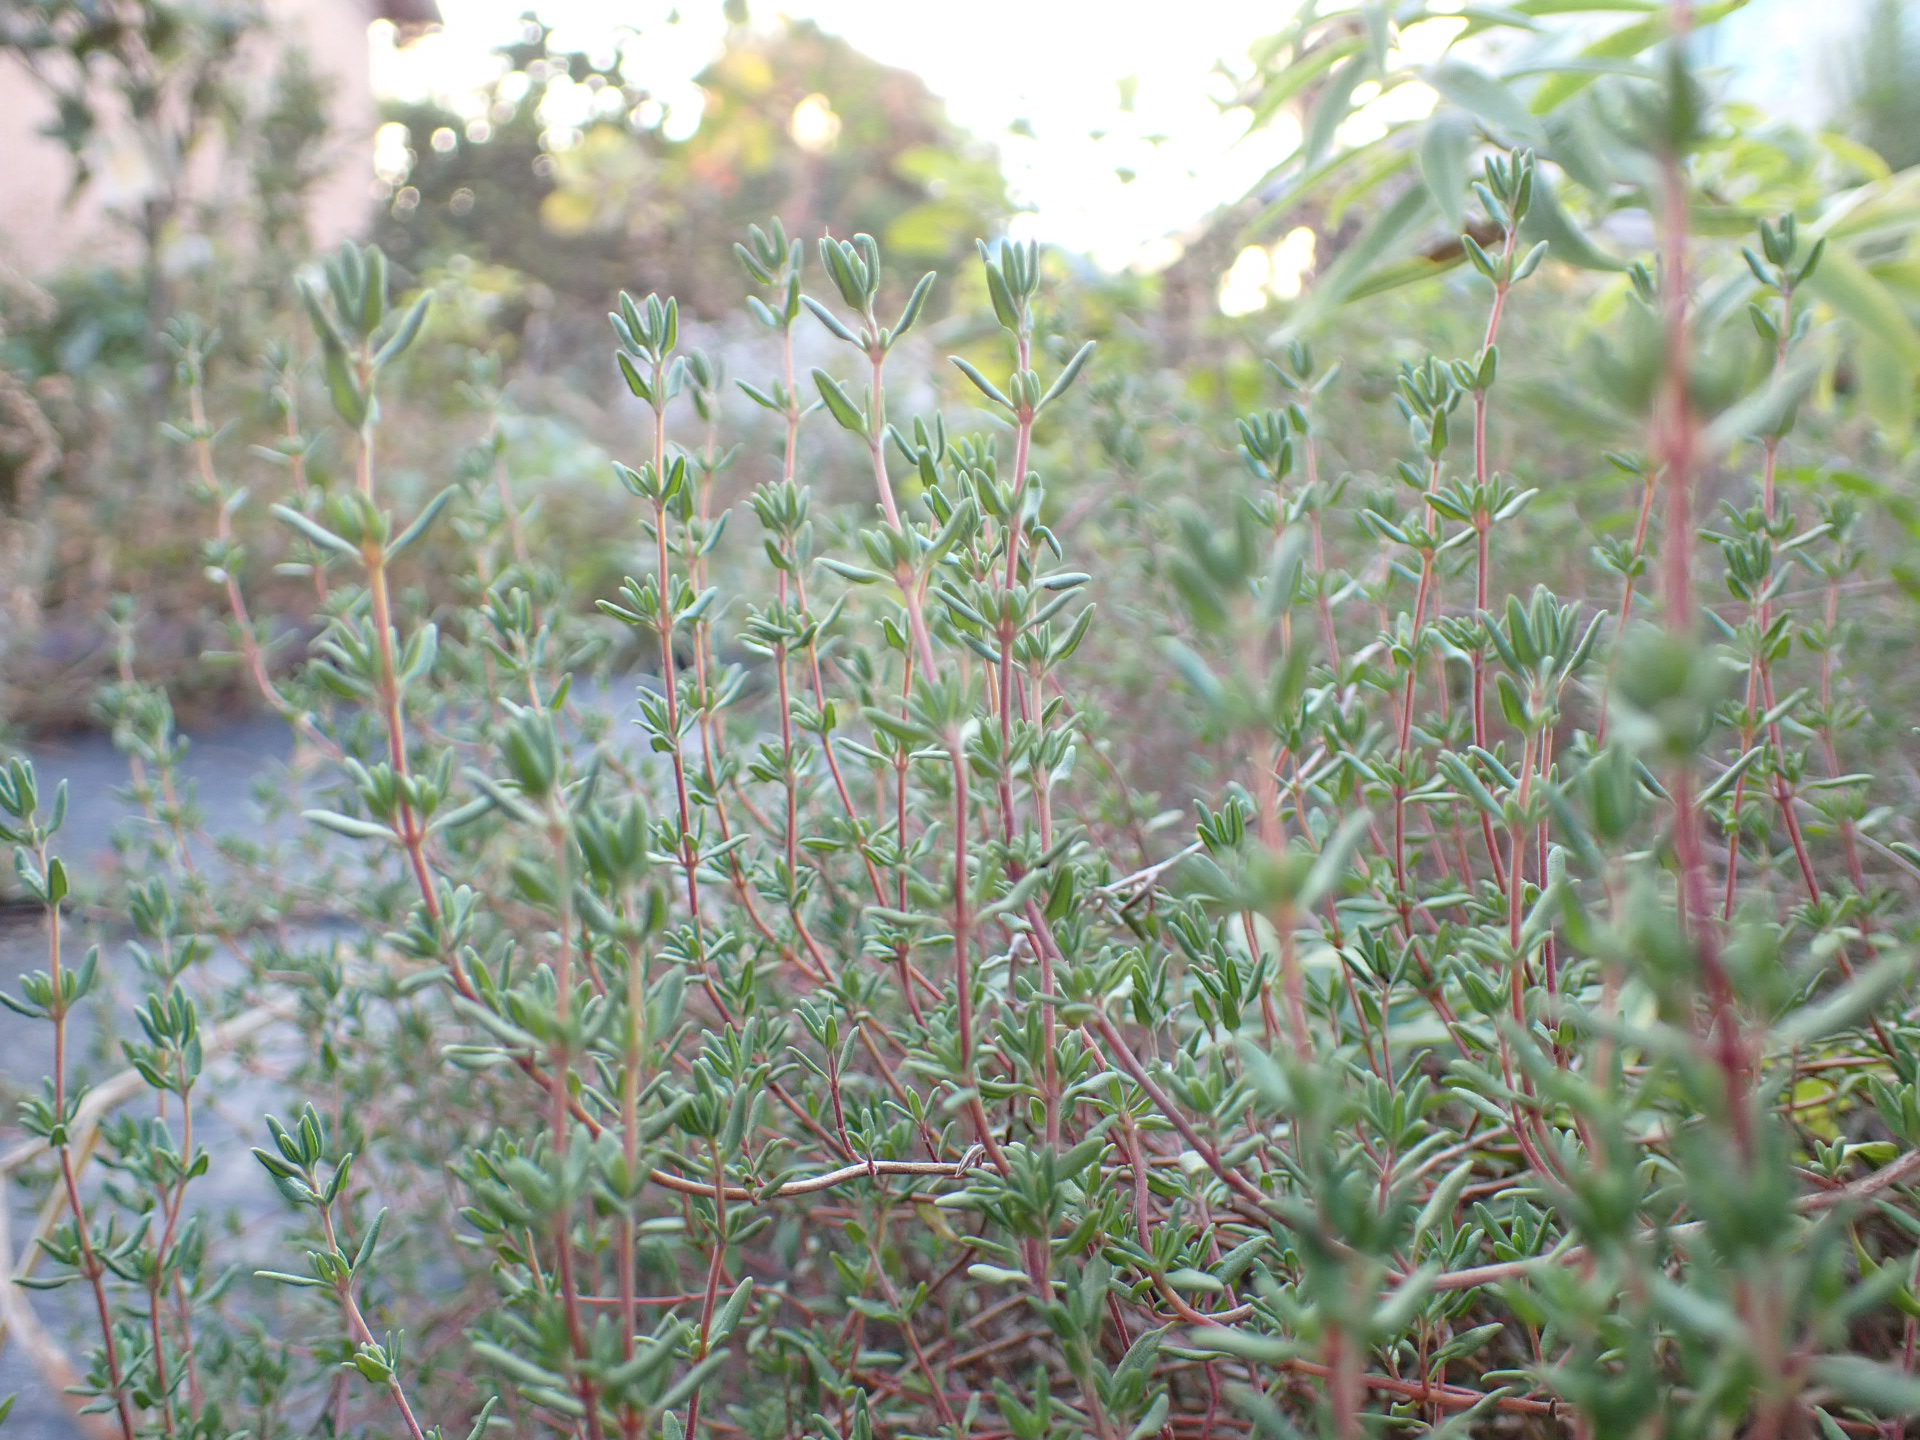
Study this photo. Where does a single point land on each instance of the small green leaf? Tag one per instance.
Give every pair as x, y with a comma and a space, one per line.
421, 521
406, 332
347, 825
838, 405
1067, 376
985, 386
315, 531
1187, 1278
914, 304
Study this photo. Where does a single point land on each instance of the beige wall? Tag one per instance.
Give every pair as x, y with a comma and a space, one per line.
41, 233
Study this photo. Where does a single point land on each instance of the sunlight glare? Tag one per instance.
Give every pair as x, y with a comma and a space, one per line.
1128, 142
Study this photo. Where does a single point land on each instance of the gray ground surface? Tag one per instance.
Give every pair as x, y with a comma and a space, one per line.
223, 766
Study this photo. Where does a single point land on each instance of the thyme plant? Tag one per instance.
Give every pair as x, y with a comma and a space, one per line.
1513, 1039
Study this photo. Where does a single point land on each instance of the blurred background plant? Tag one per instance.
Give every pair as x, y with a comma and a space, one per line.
731, 948
1875, 81
794, 122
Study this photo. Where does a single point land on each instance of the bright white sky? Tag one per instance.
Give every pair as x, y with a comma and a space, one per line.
1063, 76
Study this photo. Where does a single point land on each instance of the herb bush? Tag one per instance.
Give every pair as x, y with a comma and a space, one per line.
1520, 1045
